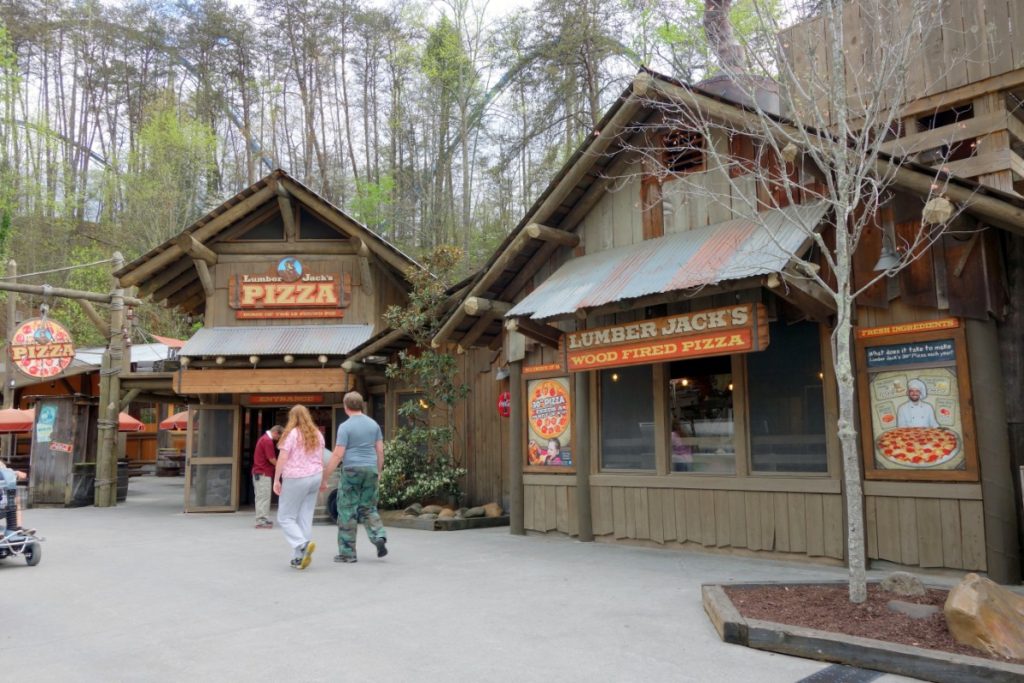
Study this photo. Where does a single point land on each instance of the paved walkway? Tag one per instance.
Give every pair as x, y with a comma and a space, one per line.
142, 592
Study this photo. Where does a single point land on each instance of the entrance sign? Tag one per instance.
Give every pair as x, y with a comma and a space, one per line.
282, 399
41, 348
720, 331
289, 291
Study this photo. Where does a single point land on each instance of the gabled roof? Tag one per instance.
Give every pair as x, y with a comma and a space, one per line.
168, 269
567, 198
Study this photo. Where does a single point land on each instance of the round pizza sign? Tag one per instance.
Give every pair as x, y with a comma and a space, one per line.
41, 348
549, 409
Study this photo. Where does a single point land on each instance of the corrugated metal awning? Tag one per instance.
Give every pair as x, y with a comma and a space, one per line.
297, 340
732, 250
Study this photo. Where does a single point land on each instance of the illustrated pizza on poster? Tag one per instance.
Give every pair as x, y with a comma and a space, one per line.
549, 419
916, 420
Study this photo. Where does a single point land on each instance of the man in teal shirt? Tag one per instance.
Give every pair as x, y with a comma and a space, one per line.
359, 449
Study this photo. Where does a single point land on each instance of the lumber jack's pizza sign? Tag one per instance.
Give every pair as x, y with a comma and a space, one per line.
41, 348
715, 332
289, 292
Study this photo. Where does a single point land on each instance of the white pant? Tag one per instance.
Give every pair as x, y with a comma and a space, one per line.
295, 508
263, 487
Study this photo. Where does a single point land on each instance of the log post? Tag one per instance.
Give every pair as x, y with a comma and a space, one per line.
516, 519
12, 312
106, 456
581, 402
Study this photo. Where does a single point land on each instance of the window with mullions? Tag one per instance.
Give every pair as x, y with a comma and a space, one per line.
703, 433
786, 402
627, 419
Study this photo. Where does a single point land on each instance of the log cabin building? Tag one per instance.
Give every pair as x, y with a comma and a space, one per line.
286, 285
671, 377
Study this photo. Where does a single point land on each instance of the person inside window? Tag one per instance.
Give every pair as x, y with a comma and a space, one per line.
682, 452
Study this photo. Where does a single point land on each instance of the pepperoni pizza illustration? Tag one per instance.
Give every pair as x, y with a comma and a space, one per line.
41, 348
549, 409
918, 446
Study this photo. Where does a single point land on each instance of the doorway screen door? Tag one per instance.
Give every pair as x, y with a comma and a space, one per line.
212, 459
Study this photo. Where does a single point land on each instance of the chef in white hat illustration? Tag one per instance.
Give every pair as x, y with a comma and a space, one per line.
916, 412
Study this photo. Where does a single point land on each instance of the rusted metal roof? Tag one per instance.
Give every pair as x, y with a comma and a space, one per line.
732, 250
297, 340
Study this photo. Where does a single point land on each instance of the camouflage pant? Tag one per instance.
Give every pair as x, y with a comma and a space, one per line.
357, 502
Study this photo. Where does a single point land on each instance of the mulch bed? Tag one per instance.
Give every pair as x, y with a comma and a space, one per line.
828, 608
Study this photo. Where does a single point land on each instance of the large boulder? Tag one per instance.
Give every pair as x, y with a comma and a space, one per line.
982, 614
446, 513
431, 509
492, 510
904, 584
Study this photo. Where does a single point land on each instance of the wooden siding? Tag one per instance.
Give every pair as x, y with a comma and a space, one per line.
926, 532
484, 448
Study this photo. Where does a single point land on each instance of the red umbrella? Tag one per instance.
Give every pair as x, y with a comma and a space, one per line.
14, 420
178, 421
127, 423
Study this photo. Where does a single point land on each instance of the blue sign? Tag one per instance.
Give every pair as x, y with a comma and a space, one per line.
914, 353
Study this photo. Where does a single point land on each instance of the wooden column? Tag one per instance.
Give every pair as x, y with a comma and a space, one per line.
1002, 546
581, 432
110, 393
515, 446
12, 312
1011, 353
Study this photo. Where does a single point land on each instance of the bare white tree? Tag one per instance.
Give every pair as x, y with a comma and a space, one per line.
817, 121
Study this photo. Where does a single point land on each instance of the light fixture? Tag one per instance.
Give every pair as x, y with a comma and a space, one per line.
685, 382
219, 360
184, 360
254, 360
322, 359
888, 258
615, 377
730, 386
289, 359
423, 404
821, 375
501, 373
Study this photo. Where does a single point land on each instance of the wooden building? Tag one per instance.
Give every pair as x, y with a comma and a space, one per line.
287, 286
672, 383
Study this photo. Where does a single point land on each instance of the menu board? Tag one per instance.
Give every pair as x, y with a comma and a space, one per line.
549, 423
915, 400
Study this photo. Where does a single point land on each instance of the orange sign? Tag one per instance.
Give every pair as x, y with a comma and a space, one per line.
537, 369
548, 410
41, 348
721, 331
284, 399
289, 292
908, 328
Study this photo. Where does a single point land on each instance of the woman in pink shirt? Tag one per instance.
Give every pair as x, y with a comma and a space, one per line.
297, 478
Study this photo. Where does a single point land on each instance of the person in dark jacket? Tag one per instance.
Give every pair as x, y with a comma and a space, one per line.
263, 461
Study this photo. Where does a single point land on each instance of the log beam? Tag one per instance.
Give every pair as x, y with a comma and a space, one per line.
198, 251
540, 332
365, 276
388, 339
531, 268
46, 290
476, 306
805, 294
177, 284
479, 327
158, 281
545, 234
284, 202
94, 317
204, 276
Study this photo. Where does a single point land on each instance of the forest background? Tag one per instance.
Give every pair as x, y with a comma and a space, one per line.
434, 123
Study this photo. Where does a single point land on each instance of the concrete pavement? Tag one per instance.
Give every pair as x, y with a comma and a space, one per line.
143, 592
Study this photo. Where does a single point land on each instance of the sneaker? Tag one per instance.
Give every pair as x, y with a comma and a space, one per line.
296, 563
264, 525
382, 546
307, 554
344, 558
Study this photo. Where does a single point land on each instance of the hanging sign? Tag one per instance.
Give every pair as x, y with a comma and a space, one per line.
289, 291
41, 348
505, 404
716, 332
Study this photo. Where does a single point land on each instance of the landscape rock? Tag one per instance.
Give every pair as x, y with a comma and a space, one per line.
432, 509
474, 512
903, 583
982, 614
492, 510
446, 514
912, 609
428, 515
413, 509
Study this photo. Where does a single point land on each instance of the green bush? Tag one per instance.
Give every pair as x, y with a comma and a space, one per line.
415, 470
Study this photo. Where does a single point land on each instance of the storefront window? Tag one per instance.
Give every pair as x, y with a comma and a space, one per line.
701, 412
787, 417
627, 419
